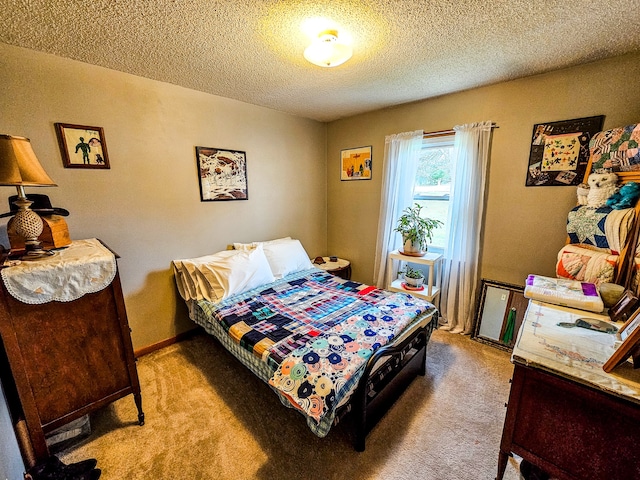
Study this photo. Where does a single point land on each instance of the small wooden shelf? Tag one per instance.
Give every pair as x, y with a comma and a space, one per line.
431, 288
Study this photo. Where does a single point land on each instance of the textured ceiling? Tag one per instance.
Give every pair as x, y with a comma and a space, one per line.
252, 50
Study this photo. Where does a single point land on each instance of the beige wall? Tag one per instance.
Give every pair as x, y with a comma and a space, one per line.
147, 206
525, 226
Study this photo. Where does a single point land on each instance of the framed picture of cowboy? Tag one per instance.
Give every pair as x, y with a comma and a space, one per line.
82, 146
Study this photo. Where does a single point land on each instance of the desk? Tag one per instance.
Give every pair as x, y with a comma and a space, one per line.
565, 414
430, 260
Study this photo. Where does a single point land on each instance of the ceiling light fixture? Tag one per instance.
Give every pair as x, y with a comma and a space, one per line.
327, 50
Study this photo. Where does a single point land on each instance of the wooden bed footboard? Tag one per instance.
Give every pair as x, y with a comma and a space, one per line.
378, 389
386, 375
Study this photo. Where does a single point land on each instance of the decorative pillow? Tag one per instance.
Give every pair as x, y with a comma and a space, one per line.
287, 257
252, 245
221, 275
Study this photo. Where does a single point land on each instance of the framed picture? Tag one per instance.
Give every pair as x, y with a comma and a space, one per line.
222, 173
623, 307
560, 151
355, 163
629, 337
82, 146
499, 313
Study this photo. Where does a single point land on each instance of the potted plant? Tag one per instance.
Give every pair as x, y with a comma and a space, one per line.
413, 277
415, 231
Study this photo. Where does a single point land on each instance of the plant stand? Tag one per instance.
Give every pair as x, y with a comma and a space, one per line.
431, 290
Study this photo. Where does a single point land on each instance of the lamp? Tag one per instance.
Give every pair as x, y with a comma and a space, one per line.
20, 167
327, 51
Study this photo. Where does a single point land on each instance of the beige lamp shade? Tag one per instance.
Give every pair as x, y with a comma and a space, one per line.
19, 167
19, 164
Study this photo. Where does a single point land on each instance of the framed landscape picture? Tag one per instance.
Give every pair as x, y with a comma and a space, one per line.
559, 151
82, 146
355, 163
222, 174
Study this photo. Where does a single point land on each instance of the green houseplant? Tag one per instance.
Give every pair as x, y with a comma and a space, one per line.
412, 276
415, 230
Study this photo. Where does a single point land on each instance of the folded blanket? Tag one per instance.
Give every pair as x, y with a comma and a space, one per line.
560, 291
604, 227
579, 263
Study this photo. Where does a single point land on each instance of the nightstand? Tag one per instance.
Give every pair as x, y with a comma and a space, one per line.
334, 265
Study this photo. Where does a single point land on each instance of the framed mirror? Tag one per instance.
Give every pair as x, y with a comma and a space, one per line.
499, 314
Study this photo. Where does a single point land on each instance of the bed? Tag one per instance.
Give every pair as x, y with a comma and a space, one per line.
325, 345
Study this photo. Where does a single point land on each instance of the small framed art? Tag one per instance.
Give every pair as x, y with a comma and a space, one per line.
560, 151
222, 174
355, 163
623, 307
629, 337
82, 146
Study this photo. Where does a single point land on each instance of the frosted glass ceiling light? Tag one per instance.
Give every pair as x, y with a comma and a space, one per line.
327, 50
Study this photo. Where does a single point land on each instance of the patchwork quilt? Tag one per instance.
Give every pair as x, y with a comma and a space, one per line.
604, 227
616, 149
585, 265
315, 332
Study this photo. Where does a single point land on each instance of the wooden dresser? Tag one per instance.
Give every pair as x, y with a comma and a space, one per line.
565, 414
67, 358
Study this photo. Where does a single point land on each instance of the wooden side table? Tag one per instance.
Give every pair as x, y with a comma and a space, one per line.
334, 265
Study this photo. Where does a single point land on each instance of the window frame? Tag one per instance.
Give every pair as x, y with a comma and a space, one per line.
430, 140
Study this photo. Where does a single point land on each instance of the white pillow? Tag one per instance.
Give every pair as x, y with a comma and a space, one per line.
252, 245
187, 279
221, 275
286, 257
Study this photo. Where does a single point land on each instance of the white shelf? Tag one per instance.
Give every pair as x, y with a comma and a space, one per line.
431, 260
396, 286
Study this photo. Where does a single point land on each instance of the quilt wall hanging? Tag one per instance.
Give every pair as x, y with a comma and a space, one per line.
560, 151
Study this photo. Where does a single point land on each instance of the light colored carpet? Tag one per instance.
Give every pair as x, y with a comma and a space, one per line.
207, 417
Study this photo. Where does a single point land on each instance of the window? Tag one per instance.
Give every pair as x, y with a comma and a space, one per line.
433, 183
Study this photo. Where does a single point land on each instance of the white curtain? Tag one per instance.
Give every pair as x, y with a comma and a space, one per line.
460, 262
401, 154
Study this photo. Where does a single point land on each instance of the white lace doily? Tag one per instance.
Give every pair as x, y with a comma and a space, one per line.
86, 266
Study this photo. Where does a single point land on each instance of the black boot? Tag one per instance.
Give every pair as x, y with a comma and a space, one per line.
54, 469
74, 470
